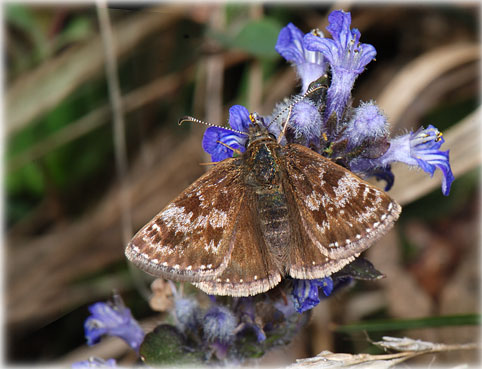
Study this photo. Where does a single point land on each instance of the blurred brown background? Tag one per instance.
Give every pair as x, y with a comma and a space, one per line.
64, 205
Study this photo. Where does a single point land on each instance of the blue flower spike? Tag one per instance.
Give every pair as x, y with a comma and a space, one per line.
113, 319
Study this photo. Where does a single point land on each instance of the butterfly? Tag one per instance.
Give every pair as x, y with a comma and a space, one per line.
272, 212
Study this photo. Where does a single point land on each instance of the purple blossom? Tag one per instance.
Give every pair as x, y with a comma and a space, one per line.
306, 122
95, 362
367, 123
421, 149
238, 120
113, 319
219, 324
305, 292
187, 312
346, 56
310, 65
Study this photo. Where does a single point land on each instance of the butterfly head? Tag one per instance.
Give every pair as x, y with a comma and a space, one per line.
258, 132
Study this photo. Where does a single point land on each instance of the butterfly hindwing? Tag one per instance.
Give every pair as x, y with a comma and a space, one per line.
306, 261
341, 214
191, 239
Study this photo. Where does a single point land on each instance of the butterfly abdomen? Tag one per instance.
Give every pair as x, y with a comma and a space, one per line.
264, 180
273, 215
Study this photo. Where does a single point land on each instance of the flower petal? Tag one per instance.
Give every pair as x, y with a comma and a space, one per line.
113, 319
219, 152
239, 118
290, 44
421, 149
305, 292
310, 65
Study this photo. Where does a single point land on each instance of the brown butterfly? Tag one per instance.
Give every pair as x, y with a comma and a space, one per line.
272, 212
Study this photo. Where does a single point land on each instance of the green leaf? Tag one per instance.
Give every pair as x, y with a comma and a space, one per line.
404, 324
166, 346
77, 30
24, 18
258, 37
249, 348
29, 179
360, 269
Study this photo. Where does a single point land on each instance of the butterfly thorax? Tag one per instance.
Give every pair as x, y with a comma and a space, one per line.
258, 133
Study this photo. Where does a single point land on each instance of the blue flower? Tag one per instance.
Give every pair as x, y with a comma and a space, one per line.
306, 292
310, 65
367, 123
346, 56
238, 120
219, 324
421, 149
113, 319
95, 362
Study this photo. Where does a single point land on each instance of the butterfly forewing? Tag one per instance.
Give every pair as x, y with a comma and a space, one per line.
251, 269
341, 214
192, 238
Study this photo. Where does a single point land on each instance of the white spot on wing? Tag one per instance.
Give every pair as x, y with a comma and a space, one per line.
346, 189
313, 200
176, 218
212, 248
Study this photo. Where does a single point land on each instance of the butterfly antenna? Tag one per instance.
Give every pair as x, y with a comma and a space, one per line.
283, 131
188, 118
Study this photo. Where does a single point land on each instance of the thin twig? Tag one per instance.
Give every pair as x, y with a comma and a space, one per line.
119, 135
327, 359
255, 86
214, 73
118, 117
